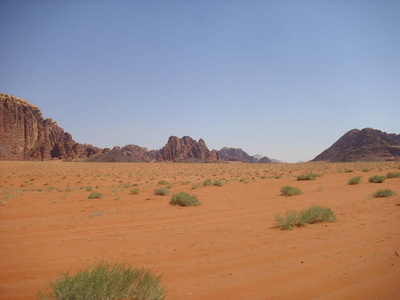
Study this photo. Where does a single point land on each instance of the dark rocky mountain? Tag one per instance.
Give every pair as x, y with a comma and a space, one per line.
25, 135
237, 154
363, 145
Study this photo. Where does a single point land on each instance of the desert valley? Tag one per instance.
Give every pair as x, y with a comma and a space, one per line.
64, 206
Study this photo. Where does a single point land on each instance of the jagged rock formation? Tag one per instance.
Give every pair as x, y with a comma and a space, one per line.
363, 145
187, 149
25, 135
139, 154
237, 154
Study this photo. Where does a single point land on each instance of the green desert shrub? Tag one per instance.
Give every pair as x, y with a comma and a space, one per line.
384, 193
314, 214
106, 281
196, 185
218, 183
207, 182
162, 182
135, 191
317, 214
95, 195
377, 179
365, 170
306, 177
161, 192
288, 221
184, 199
348, 171
290, 191
393, 175
355, 180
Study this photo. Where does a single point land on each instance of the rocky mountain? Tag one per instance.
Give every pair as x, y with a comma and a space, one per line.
177, 149
26, 135
363, 145
237, 154
187, 149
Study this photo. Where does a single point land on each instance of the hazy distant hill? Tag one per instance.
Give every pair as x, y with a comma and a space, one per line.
363, 145
237, 154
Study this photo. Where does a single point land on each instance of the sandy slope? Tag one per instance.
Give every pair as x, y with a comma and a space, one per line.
226, 248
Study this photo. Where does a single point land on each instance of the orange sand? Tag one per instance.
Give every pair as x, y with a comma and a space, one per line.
226, 248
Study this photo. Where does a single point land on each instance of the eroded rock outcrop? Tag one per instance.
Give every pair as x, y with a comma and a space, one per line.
363, 145
187, 149
26, 135
237, 154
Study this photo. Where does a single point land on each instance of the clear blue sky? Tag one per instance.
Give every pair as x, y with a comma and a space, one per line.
283, 79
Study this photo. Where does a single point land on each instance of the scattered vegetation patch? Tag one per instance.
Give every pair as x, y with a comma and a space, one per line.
314, 214
95, 195
355, 180
384, 193
365, 170
348, 171
207, 182
161, 192
393, 175
184, 199
106, 281
290, 191
306, 177
162, 182
196, 185
218, 183
377, 179
134, 191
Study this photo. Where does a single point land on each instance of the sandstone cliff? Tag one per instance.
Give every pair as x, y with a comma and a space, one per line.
187, 150
25, 135
363, 145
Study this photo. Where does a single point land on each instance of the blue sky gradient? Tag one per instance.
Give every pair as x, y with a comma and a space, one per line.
283, 79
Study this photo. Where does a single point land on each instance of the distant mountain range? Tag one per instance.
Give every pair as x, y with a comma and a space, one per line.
26, 135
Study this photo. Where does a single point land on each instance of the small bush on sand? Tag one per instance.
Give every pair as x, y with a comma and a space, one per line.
306, 177
135, 191
207, 182
354, 180
162, 182
184, 199
393, 175
218, 183
377, 179
290, 191
161, 192
106, 281
196, 186
384, 193
314, 214
95, 195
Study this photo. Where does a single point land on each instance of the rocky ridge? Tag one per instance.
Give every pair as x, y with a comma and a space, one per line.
363, 145
238, 155
26, 135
